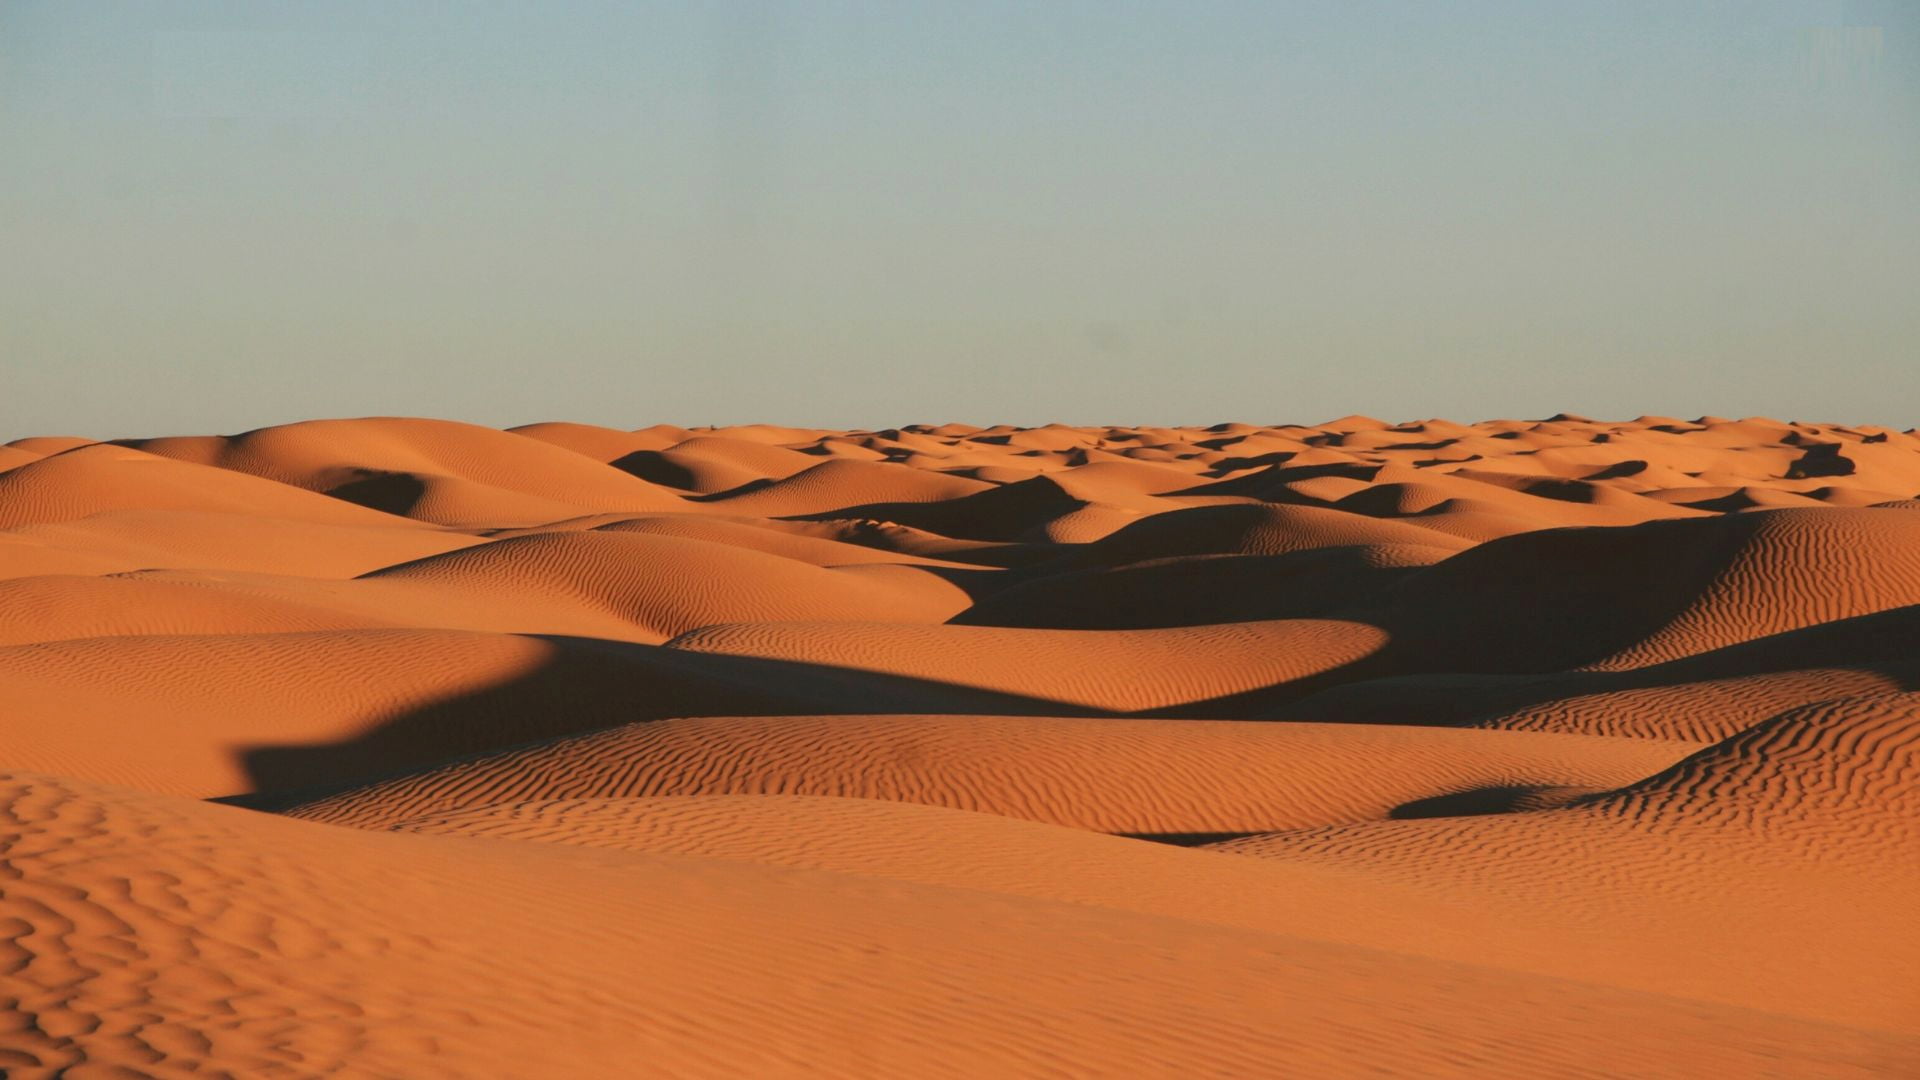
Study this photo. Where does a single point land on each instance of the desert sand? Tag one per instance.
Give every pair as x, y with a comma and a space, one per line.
412, 748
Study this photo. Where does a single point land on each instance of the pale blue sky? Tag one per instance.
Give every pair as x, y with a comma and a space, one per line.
215, 216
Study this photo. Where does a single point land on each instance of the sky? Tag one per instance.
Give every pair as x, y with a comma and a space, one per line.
219, 216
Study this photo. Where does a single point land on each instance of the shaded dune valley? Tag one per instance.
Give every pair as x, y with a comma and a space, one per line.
411, 748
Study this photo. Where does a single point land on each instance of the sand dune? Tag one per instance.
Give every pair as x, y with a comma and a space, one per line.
1116, 671
1517, 748
160, 934
600, 443
1255, 530
1800, 832
1620, 598
1197, 589
839, 484
434, 470
1707, 696
15, 456
817, 550
96, 479
711, 464
1117, 776
117, 541
669, 585
617, 585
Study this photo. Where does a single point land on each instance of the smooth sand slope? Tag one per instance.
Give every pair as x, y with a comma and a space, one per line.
1517, 748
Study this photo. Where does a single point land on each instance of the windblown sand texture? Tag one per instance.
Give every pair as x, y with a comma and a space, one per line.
409, 748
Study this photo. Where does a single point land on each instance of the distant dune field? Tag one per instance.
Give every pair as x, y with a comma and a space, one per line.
411, 748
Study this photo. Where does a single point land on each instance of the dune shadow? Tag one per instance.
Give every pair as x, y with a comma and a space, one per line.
655, 468
391, 492
1492, 799
1187, 839
758, 483
591, 684
1883, 644
979, 584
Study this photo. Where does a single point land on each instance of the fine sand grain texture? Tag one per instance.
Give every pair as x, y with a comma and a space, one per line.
408, 748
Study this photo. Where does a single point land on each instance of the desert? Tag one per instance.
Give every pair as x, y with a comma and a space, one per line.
410, 747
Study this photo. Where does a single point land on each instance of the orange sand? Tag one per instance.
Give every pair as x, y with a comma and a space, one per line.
411, 748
